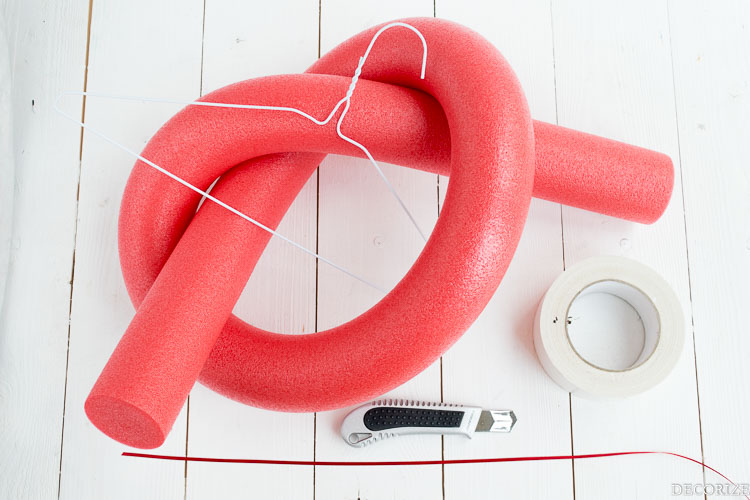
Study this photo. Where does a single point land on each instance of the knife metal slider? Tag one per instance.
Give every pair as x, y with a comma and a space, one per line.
395, 417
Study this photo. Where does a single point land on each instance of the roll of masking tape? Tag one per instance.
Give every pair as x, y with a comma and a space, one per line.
652, 300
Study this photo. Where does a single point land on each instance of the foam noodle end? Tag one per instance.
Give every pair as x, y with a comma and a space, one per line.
124, 422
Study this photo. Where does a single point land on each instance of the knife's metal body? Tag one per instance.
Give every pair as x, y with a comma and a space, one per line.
394, 417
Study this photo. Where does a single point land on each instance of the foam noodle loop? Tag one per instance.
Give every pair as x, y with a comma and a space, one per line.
184, 270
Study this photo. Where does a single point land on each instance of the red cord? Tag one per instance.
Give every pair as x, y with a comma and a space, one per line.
423, 462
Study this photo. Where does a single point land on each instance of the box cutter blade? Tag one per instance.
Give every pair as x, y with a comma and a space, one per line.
395, 417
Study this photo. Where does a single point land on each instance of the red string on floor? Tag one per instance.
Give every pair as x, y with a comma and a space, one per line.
460, 461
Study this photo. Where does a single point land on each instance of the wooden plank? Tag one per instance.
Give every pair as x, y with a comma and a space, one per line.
494, 365
144, 48
243, 41
614, 79
711, 43
363, 228
47, 49
7, 163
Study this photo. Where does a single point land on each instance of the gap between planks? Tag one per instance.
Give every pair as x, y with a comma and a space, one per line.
75, 239
562, 234
187, 404
687, 249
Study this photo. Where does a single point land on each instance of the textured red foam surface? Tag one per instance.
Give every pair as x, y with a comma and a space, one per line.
185, 271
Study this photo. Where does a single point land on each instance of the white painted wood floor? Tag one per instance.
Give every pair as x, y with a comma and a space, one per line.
671, 75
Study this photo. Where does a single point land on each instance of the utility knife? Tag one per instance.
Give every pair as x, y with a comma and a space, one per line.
396, 417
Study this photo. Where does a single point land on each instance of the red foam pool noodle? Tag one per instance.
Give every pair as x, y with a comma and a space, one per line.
185, 271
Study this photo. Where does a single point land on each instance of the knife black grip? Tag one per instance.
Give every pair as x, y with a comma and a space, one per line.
384, 417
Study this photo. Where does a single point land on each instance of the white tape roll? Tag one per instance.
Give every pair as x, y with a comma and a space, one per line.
646, 292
